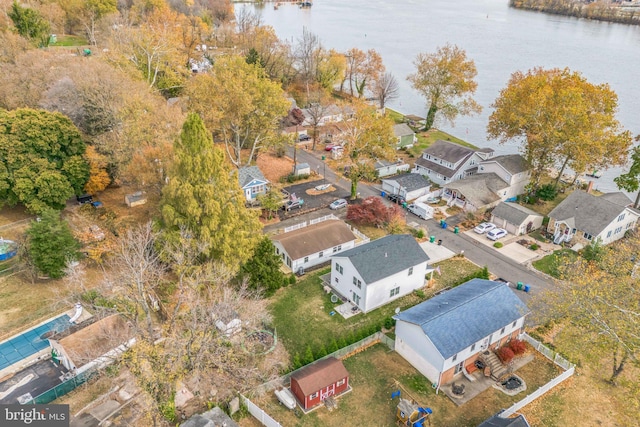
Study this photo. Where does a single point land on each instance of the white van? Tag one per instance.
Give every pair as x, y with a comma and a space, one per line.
422, 210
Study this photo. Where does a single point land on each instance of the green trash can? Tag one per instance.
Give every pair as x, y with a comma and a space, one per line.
432, 239
456, 230
404, 205
519, 286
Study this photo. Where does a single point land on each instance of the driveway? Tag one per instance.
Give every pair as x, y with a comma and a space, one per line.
312, 202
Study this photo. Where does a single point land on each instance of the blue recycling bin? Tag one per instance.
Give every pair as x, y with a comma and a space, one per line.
527, 288
444, 224
383, 194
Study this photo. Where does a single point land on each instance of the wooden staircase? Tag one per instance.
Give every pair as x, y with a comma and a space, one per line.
496, 368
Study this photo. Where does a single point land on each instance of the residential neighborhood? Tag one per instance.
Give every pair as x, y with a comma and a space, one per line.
206, 222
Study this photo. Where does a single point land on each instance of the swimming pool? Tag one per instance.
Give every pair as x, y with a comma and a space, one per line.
28, 343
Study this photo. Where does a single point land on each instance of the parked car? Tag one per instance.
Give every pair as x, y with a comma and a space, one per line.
304, 137
484, 227
337, 204
84, 198
292, 204
496, 233
396, 198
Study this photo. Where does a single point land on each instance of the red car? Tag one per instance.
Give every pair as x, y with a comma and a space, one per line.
329, 147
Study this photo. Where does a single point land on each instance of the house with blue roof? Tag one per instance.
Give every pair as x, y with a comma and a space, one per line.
445, 334
253, 182
376, 273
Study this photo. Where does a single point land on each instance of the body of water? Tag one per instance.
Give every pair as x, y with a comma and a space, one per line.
501, 40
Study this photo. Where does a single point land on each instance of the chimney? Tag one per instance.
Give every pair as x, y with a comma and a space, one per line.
590, 187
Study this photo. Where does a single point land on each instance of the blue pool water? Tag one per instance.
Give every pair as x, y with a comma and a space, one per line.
29, 343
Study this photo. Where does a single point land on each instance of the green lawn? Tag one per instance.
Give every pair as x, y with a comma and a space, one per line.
70, 40
550, 263
301, 312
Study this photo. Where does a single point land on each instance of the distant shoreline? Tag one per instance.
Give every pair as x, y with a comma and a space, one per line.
621, 13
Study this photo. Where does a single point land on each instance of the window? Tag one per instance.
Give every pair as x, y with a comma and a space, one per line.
314, 395
473, 346
621, 217
357, 282
619, 229
306, 259
501, 331
337, 281
587, 236
339, 383
277, 251
514, 323
410, 271
454, 358
394, 292
609, 233
320, 254
338, 268
337, 248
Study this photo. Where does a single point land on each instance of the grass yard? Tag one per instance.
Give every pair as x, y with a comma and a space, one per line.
301, 311
70, 40
550, 263
376, 372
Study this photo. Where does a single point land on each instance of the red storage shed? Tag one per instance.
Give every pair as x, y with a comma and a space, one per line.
313, 384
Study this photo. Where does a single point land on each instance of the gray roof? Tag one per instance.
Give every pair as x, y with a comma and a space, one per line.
379, 164
315, 238
410, 181
386, 256
449, 151
464, 315
496, 421
618, 198
402, 129
212, 418
587, 212
513, 213
513, 163
248, 174
480, 190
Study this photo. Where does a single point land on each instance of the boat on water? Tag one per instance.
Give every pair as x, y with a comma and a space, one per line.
285, 397
305, 4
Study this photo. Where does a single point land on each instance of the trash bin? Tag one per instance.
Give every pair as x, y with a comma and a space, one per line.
439, 242
432, 239
383, 194
519, 286
441, 222
404, 205
456, 230
527, 288
444, 225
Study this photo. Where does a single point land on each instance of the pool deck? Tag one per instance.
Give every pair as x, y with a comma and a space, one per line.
40, 355
35, 380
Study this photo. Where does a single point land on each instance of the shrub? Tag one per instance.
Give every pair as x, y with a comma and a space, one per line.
498, 245
389, 323
292, 279
419, 293
534, 247
547, 192
419, 233
517, 346
505, 354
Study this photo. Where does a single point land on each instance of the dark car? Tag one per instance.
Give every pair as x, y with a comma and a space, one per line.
396, 198
304, 137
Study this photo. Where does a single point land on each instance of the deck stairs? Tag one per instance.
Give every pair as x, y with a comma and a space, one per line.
497, 369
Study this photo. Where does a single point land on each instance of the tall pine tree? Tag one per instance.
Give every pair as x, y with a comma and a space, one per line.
204, 198
263, 269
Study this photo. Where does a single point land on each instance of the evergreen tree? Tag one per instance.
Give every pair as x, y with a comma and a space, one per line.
263, 268
308, 356
204, 198
30, 24
51, 244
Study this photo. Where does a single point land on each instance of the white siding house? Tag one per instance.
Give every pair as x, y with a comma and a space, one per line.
380, 271
443, 335
443, 161
313, 245
516, 219
408, 185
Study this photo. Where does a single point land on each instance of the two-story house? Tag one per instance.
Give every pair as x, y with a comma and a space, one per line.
443, 161
380, 271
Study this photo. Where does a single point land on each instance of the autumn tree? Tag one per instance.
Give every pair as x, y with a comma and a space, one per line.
319, 106
240, 105
446, 79
30, 24
205, 197
630, 181
597, 303
563, 121
41, 159
362, 69
51, 245
262, 271
273, 54
365, 139
88, 13
372, 211
98, 175
385, 89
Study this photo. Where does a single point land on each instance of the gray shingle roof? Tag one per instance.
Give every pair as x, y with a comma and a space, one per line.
402, 129
315, 238
386, 256
618, 198
248, 174
496, 421
410, 181
588, 212
465, 314
513, 212
212, 418
513, 163
479, 190
448, 151
436, 167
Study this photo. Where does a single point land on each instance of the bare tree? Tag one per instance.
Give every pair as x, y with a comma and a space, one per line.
385, 89
317, 110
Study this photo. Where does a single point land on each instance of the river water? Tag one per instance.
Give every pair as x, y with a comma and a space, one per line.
498, 38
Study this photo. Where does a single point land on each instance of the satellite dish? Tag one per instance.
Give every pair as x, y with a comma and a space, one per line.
397, 310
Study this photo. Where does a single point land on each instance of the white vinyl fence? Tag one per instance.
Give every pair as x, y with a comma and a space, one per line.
259, 414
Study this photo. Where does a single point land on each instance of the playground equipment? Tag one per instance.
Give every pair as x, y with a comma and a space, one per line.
8, 249
410, 414
77, 314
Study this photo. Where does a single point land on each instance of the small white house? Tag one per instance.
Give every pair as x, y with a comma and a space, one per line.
445, 334
376, 273
386, 168
516, 219
302, 169
408, 185
314, 244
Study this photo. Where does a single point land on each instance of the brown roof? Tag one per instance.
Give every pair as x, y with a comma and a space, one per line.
319, 375
96, 339
315, 238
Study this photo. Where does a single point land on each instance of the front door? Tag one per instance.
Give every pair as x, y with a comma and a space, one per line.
356, 299
328, 392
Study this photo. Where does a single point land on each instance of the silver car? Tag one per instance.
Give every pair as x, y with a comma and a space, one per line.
496, 233
337, 204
